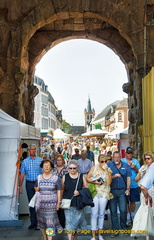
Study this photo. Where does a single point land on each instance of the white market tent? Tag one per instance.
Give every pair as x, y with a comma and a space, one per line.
11, 132
114, 134
122, 136
85, 134
122, 133
95, 132
59, 134
98, 132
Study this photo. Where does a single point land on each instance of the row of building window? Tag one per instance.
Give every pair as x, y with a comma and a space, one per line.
52, 123
48, 123
44, 111
52, 109
44, 99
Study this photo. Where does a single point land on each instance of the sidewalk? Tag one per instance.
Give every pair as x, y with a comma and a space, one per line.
23, 233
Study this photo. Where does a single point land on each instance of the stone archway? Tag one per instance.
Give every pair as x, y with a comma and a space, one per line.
30, 29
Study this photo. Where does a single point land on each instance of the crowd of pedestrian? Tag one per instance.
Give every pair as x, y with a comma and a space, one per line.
71, 171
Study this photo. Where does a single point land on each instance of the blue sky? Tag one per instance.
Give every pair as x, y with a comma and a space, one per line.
76, 69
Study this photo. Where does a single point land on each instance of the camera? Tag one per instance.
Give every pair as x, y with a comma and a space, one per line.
100, 180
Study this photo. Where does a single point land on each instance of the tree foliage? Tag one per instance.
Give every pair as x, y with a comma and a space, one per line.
50, 132
65, 126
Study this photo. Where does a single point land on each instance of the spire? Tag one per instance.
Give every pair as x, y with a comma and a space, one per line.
89, 105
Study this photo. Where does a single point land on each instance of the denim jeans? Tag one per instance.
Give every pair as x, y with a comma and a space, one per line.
118, 200
30, 193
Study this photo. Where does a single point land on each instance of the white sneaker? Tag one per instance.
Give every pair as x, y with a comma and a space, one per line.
100, 237
93, 239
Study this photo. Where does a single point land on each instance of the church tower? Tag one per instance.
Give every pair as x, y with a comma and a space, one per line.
89, 114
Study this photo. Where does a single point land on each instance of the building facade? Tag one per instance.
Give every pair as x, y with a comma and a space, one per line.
114, 116
46, 115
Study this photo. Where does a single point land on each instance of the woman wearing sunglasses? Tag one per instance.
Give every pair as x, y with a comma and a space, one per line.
149, 159
74, 218
99, 179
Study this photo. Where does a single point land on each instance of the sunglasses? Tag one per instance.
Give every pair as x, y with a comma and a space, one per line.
129, 153
147, 158
104, 161
72, 168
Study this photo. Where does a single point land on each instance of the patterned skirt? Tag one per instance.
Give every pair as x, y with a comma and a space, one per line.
75, 219
48, 220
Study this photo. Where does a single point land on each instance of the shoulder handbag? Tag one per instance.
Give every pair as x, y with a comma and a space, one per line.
66, 203
143, 222
33, 199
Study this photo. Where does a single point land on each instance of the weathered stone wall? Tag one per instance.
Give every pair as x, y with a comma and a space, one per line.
28, 29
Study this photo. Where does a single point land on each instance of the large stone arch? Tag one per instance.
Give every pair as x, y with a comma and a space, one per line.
31, 28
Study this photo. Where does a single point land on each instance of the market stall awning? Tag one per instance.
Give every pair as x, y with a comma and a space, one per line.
59, 134
98, 132
95, 133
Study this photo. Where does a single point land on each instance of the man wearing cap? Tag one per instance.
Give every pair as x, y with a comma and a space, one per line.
134, 189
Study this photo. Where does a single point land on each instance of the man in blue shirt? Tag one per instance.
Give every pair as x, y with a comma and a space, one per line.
121, 179
134, 188
90, 154
30, 169
84, 164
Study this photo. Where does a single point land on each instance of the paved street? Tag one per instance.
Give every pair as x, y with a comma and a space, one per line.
22, 233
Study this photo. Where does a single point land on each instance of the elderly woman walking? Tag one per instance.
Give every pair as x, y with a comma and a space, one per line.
61, 168
60, 171
48, 188
74, 218
99, 179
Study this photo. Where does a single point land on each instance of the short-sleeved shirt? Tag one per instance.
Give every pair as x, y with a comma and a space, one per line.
90, 155
119, 182
84, 166
31, 168
62, 172
148, 178
134, 173
76, 156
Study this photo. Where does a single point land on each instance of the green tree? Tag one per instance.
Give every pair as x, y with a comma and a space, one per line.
66, 125
50, 132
